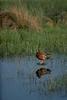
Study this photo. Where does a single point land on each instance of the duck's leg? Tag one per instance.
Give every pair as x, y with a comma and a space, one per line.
41, 62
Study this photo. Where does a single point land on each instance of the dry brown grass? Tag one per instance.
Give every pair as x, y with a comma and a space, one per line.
7, 19
48, 21
25, 20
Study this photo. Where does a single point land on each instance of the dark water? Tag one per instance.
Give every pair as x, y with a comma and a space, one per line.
18, 80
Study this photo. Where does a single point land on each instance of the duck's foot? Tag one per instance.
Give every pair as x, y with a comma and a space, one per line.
42, 62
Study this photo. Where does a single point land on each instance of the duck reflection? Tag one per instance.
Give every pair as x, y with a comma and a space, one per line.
42, 71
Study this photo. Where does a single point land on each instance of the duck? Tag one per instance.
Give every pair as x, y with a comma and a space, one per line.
42, 56
42, 71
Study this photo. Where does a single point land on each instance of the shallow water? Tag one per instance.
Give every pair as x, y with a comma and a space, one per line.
18, 80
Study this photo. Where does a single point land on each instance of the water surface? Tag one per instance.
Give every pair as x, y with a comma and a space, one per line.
18, 80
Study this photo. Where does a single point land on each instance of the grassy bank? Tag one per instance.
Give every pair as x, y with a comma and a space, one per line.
33, 15
27, 42
50, 8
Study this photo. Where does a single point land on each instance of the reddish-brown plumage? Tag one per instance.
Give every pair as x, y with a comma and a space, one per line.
41, 55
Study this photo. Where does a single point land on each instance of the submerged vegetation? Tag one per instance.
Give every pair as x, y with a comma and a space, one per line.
58, 83
33, 24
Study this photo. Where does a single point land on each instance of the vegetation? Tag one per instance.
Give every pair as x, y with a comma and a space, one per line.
58, 83
50, 8
27, 42
43, 25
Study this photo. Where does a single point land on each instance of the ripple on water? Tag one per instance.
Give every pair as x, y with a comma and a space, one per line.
19, 80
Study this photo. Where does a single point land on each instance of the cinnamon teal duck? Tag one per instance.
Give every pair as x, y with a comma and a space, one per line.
42, 56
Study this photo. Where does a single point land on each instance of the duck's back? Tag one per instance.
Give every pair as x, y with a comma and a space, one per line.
40, 55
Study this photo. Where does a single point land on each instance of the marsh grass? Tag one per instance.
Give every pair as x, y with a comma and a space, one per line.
50, 8
50, 12
58, 84
25, 19
27, 41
